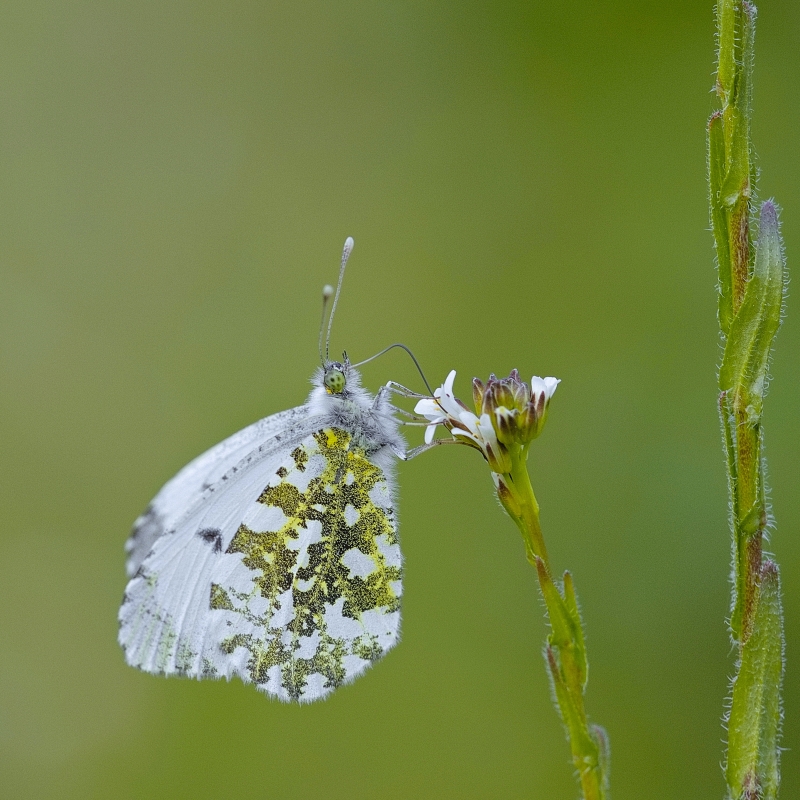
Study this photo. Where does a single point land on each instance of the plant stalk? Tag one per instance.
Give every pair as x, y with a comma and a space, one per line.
751, 280
565, 651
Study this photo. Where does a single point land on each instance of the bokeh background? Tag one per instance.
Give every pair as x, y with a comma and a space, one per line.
525, 182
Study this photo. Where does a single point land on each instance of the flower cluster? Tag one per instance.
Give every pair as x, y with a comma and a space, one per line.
508, 415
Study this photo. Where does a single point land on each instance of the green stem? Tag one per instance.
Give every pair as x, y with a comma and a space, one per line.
750, 523
565, 651
750, 302
527, 518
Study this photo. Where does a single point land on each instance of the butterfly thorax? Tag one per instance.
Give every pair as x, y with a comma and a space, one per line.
368, 419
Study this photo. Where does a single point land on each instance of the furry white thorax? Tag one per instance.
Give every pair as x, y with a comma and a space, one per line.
369, 419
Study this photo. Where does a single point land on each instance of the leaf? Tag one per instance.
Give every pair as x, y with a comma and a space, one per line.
755, 719
571, 602
737, 107
744, 365
726, 38
719, 218
561, 623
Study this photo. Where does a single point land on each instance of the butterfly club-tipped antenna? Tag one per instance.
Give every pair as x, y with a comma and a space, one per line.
327, 291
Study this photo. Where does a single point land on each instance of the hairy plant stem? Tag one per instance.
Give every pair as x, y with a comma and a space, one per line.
565, 652
750, 303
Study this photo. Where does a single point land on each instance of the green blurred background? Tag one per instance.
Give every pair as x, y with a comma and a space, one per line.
525, 182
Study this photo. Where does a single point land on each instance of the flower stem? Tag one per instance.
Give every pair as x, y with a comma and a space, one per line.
565, 651
528, 518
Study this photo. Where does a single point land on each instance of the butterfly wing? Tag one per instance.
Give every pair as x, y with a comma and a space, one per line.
181, 491
286, 573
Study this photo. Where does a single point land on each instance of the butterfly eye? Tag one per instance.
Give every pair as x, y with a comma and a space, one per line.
334, 381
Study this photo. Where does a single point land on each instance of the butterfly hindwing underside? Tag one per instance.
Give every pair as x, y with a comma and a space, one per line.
297, 590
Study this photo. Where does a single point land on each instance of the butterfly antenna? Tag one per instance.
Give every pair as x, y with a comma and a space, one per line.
413, 358
327, 293
348, 248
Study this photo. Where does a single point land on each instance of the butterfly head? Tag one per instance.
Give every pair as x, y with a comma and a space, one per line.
335, 377
337, 384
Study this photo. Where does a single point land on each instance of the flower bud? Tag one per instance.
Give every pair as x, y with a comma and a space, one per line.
497, 394
542, 390
477, 395
505, 424
498, 457
517, 410
506, 496
519, 389
528, 423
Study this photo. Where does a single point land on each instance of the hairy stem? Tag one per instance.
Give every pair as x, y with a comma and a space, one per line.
751, 283
565, 651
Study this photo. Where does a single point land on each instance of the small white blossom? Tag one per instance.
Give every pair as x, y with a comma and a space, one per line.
445, 409
437, 408
543, 389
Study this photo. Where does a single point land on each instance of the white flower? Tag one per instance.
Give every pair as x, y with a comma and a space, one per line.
436, 408
445, 409
542, 389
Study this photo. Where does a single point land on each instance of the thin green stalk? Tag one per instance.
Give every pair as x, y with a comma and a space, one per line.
751, 281
565, 651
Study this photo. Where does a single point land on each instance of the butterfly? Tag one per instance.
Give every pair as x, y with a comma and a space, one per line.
274, 557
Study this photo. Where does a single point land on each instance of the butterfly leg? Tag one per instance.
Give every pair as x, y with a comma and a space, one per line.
381, 399
382, 402
398, 388
395, 388
423, 448
381, 406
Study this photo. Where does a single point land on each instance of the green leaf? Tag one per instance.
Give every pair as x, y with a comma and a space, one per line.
754, 724
562, 628
572, 717
737, 107
731, 170
726, 42
736, 184
600, 738
719, 218
571, 603
744, 365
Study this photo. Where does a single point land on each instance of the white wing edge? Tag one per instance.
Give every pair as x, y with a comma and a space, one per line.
168, 595
181, 491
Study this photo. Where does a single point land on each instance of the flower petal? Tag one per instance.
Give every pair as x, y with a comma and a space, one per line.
430, 432
447, 386
446, 397
428, 407
538, 386
470, 420
551, 385
486, 430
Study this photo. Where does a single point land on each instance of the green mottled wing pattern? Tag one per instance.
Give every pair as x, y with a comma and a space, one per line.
298, 593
